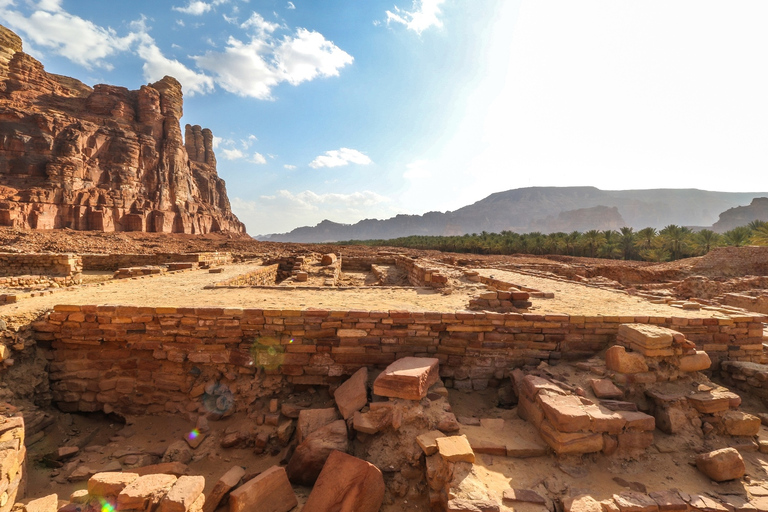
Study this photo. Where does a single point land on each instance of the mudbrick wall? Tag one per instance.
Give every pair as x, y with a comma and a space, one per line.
138, 360
419, 275
736, 261
112, 262
757, 303
67, 267
12, 464
265, 276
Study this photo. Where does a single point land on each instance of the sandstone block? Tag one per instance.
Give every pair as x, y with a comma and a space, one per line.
408, 378
710, 402
269, 492
109, 484
309, 457
617, 359
638, 420
167, 468
669, 501
531, 385
455, 449
565, 412
721, 465
145, 492
646, 335
580, 442
373, 421
605, 420
184, 493
347, 483
604, 388
695, 362
228, 480
524, 496
352, 395
738, 423
49, 503
313, 419
428, 441
328, 259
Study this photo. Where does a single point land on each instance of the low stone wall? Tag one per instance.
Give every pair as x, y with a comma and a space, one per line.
419, 275
756, 304
734, 261
133, 359
364, 263
12, 463
749, 377
67, 267
265, 276
112, 262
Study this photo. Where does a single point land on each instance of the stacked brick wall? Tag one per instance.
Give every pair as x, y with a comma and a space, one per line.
127, 358
112, 262
64, 269
364, 263
291, 265
419, 275
749, 377
12, 464
756, 304
265, 276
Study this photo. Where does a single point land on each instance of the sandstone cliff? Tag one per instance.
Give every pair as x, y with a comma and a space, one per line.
102, 158
742, 215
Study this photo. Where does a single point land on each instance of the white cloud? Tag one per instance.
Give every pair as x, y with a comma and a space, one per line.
418, 170
340, 157
258, 159
290, 6
195, 8
252, 68
77, 39
424, 14
232, 154
261, 26
289, 167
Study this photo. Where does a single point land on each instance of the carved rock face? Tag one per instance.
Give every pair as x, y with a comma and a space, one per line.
104, 159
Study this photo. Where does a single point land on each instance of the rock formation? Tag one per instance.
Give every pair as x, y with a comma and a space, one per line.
742, 215
102, 158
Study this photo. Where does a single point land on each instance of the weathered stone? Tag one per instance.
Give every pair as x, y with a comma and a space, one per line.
646, 335
269, 492
455, 449
408, 378
184, 493
531, 385
710, 402
228, 480
145, 492
738, 423
310, 456
328, 259
373, 421
694, 362
109, 484
721, 465
313, 419
582, 503
167, 468
705, 504
524, 496
604, 388
347, 483
428, 441
49, 503
352, 395
633, 501
669, 501
578, 442
617, 359
565, 412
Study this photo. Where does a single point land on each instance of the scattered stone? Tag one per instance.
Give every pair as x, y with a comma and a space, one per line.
66, 452
49, 503
226, 483
696, 362
605, 388
166, 468
721, 465
291, 410
313, 419
178, 451
472, 505
705, 504
184, 493
145, 492
738, 423
669, 501
269, 492
352, 395
309, 457
617, 359
233, 439
347, 483
582, 503
372, 422
109, 484
409, 378
633, 501
428, 441
455, 449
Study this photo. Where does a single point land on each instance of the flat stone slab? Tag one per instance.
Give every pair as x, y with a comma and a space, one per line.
523, 495
517, 439
269, 492
647, 336
352, 395
605, 388
347, 483
455, 449
145, 491
428, 441
409, 378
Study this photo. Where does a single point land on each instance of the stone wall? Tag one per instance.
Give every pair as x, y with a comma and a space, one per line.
419, 275
68, 267
112, 262
12, 463
364, 263
749, 377
152, 359
265, 276
733, 261
756, 304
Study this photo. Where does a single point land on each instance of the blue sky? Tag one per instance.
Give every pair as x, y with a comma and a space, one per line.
346, 110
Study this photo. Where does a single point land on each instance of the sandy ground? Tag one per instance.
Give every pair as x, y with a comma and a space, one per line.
187, 289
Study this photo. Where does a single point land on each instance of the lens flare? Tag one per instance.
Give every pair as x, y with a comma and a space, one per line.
192, 435
106, 506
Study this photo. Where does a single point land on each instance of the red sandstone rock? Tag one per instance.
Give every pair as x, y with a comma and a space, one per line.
604, 388
109, 484
695, 362
738, 423
310, 456
372, 422
229, 480
408, 378
633, 501
352, 395
347, 484
669, 501
582, 503
269, 492
313, 419
721, 465
565, 412
455, 449
183, 495
49, 503
145, 492
109, 160
328, 259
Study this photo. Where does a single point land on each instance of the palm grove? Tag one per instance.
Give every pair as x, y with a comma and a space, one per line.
648, 244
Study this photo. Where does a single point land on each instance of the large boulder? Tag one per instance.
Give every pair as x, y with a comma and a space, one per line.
347, 483
309, 457
721, 465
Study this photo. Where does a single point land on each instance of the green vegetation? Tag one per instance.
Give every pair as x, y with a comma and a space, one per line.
671, 243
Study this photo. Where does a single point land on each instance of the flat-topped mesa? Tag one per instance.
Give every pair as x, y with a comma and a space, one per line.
104, 158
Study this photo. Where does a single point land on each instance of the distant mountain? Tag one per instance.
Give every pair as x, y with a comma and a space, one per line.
545, 209
742, 215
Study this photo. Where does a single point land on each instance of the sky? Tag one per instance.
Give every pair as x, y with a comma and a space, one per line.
355, 109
